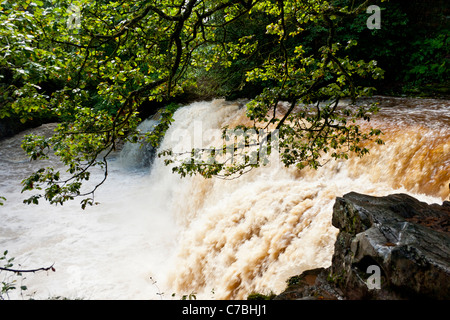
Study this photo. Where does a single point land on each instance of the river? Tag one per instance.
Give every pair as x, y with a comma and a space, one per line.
154, 235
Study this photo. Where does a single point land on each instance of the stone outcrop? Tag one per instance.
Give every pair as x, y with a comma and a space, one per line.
392, 247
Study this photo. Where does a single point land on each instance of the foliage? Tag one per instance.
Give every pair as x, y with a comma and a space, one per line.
260, 296
412, 44
191, 296
294, 280
8, 285
429, 61
96, 76
305, 134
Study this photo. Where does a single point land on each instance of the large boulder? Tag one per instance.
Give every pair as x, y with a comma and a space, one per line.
392, 247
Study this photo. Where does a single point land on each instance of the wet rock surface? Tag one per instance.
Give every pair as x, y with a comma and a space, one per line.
392, 247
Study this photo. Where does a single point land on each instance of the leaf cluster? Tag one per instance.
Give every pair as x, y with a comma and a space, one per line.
124, 54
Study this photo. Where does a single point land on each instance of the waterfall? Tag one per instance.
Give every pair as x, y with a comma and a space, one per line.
154, 234
139, 155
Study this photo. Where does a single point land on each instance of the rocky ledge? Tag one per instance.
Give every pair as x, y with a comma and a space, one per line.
388, 248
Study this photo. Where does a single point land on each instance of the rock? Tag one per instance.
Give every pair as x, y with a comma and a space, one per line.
310, 285
392, 247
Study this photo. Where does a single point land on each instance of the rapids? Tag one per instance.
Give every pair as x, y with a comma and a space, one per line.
154, 234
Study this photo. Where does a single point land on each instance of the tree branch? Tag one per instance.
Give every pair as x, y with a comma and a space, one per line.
28, 271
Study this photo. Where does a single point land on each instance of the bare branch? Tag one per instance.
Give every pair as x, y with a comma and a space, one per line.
28, 271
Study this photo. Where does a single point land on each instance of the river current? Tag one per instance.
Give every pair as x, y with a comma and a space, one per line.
154, 235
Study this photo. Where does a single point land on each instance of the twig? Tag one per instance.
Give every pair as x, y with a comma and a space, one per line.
28, 271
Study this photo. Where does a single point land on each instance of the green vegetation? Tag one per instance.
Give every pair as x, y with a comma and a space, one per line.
13, 276
98, 67
412, 45
7, 284
294, 280
260, 296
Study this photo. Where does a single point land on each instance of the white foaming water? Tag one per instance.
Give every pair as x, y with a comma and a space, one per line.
219, 239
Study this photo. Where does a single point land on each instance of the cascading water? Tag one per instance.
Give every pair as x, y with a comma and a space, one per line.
136, 155
220, 239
